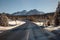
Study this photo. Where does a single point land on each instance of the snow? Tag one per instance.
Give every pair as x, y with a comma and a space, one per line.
31, 12
18, 22
51, 28
39, 23
2, 28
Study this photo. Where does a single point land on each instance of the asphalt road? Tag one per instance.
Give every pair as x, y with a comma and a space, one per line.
27, 31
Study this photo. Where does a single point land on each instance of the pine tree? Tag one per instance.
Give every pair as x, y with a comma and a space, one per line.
57, 15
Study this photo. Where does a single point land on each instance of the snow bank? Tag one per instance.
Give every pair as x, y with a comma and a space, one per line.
39, 23
51, 28
12, 23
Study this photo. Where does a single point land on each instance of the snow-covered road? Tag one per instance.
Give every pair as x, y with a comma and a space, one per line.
27, 31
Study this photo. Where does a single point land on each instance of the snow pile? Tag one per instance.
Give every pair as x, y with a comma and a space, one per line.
39, 23
16, 22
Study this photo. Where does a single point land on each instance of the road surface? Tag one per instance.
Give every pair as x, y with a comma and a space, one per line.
27, 31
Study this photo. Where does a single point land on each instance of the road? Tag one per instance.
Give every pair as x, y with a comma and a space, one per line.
27, 31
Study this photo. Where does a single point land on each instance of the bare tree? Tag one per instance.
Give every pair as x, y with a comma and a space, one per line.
3, 20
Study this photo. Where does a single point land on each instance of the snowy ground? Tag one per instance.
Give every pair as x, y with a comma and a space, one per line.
51, 28
39, 23
14, 23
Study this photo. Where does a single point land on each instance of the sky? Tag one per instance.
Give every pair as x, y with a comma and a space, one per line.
11, 6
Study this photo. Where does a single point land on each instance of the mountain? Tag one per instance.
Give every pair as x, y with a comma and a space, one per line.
20, 13
31, 12
34, 12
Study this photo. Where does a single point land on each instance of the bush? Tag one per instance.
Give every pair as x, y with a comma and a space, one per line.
3, 20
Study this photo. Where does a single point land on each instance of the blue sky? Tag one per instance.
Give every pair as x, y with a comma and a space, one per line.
11, 6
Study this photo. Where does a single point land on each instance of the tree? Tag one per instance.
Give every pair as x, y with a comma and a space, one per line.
3, 20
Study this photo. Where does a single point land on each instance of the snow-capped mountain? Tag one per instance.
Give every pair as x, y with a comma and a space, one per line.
31, 12
34, 12
20, 13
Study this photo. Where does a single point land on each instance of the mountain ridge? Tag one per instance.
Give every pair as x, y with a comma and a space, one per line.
31, 12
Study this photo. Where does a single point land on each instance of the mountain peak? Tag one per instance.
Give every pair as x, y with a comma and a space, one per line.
31, 12
34, 12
